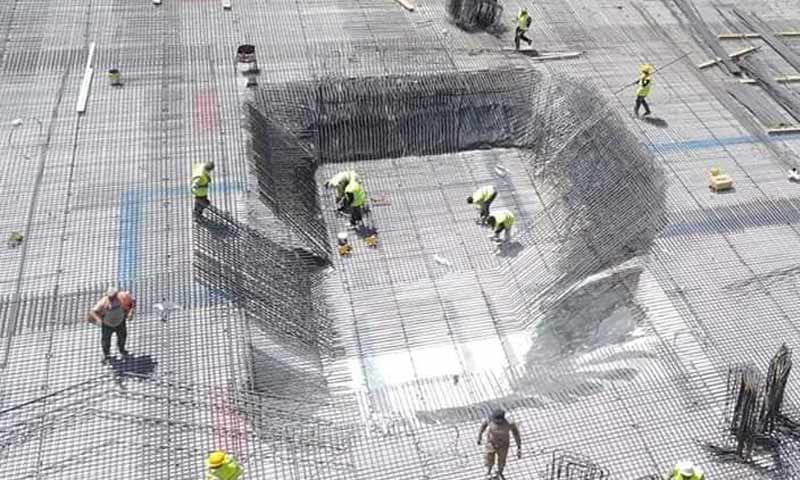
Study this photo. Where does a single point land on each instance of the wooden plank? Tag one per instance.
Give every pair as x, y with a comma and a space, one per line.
755, 23
156, 2
732, 56
409, 5
226, 4
750, 35
83, 95
784, 79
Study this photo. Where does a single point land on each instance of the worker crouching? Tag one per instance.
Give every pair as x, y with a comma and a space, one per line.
501, 222
340, 181
686, 471
221, 466
355, 197
482, 199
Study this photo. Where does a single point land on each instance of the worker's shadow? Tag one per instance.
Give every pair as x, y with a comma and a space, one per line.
509, 249
142, 365
656, 122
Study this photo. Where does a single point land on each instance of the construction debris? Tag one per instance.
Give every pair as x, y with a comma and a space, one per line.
755, 23
732, 56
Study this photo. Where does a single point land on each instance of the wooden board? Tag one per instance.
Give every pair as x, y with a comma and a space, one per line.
744, 36
784, 79
777, 131
534, 55
409, 5
732, 56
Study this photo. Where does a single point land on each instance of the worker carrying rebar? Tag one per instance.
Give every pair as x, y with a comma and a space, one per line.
643, 85
201, 179
355, 197
482, 199
501, 221
686, 471
498, 432
523, 24
221, 466
112, 313
340, 181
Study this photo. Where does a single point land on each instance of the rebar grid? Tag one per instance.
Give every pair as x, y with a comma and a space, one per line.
275, 287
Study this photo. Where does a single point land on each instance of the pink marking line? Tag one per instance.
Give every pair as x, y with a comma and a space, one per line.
229, 427
204, 110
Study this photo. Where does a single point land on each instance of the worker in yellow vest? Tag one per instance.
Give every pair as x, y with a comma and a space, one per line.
686, 471
643, 85
354, 199
340, 181
221, 466
483, 198
501, 221
201, 179
523, 24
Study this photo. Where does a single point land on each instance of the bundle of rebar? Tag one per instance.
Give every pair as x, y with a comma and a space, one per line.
778, 375
475, 14
567, 466
275, 287
744, 387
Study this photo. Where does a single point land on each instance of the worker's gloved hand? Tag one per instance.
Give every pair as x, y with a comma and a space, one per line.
519, 453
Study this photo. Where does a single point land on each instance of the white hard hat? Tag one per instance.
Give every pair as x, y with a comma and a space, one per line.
686, 468
112, 291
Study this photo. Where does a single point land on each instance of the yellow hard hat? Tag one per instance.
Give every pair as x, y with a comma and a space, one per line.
215, 459
646, 68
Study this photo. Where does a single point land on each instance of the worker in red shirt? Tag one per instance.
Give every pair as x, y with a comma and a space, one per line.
111, 313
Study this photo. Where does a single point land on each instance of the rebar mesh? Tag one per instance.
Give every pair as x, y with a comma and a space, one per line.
275, 287
567, 466
476, 14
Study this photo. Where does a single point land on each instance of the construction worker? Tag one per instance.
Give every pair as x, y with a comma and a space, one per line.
483, 198
501, 221
686, 471
221, 466
340, 181
643, 89
523, 24
201, 179
355, 198
498, 432
111, 313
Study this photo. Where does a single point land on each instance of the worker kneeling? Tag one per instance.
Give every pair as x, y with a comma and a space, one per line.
501, 221
483, 198
686, 471
221, 466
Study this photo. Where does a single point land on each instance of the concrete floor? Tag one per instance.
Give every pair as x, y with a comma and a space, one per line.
101, 198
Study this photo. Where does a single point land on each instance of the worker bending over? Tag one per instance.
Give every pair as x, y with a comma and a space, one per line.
523, 24
686, 471
354, 200
498, 432
201, 179
340, 181
111, 313
483, 198
221, 466
501, 221
643, 89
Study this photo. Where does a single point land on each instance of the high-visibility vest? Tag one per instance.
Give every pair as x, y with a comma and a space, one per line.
696, 475
200, 180
359, 195
229, 470
503, 218
483, 194
645, 82
523, 21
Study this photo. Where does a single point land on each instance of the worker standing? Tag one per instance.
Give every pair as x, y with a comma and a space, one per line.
501, 221
498, 432
643, 86
483, 198
686, 471
355, 198
111, 313
201, 179
340, 181
523, 24
221, 466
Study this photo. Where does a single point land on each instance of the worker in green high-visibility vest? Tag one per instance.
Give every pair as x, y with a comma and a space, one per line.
355, 197
523, 24
201, 179
221, 466
643, 85
501, 221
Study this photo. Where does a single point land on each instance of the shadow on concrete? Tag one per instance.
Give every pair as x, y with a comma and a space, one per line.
509, 250
656, 122
142, 365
